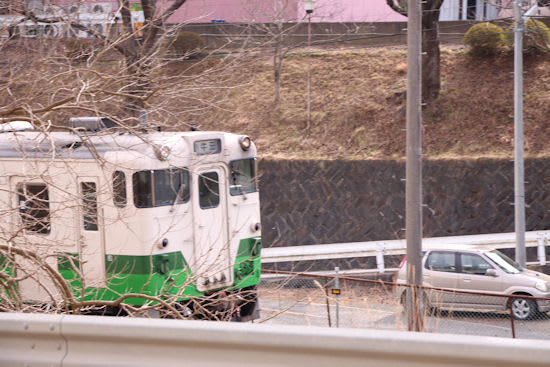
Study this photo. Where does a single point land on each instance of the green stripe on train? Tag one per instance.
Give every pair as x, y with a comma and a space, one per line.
247, 268
166, 275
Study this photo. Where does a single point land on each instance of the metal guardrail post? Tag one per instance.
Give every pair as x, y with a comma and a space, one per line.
380, 260
541, 251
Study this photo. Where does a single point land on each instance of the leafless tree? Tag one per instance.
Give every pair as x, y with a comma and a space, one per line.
277, 26
45, 80
140, 49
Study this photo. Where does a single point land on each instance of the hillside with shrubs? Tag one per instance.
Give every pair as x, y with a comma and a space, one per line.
357, 97
358, 102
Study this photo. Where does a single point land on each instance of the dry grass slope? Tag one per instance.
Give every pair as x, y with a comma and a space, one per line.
358, 100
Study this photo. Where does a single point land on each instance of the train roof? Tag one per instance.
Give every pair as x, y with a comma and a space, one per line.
69, 145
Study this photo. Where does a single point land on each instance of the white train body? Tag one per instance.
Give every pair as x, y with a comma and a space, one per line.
155, 212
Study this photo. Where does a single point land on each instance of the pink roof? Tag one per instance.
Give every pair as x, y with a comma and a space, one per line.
200, 11
246, 11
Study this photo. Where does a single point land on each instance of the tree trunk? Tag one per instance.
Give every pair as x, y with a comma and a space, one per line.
278, 61
431, 82
277, 78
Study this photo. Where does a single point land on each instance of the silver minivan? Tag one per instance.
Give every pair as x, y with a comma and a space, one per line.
478, 270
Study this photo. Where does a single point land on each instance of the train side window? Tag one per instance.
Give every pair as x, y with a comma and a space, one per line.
89, 205
119, 189
34, 207
160, 187
242, 177
209, 190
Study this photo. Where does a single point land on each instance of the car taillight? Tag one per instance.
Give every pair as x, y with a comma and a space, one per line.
403, 262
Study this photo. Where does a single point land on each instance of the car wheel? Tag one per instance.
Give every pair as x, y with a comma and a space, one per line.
523, 309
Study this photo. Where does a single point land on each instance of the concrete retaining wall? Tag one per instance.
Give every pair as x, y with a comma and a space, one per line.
313, 202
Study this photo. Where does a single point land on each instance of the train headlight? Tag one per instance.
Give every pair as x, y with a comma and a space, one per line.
163, 244
255, 226
245, 142
163, 152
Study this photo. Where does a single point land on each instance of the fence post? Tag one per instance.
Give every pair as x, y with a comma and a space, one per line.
541, 251
512, 317
328, 304
337, 286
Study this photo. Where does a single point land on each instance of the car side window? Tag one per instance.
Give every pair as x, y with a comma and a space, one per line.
441, 261
473, 264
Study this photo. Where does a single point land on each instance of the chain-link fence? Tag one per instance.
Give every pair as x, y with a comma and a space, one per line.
343, 301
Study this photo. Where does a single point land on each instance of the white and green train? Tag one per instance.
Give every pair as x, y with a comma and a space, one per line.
173, 215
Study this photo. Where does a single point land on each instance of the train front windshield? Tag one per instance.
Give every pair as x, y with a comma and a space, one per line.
154, 188
243, 176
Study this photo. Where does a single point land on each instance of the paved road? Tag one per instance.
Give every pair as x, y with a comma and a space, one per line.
390, 316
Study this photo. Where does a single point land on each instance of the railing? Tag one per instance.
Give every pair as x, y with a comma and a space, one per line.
66, 340
379, 249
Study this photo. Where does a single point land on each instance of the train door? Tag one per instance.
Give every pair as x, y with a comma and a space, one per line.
91, 236
211, 240
31, 221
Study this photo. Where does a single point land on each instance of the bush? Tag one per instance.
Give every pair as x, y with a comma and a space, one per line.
536, 37
484, 39
186, 44
78, 49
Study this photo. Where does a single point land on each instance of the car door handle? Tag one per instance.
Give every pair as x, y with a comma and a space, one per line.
467, 280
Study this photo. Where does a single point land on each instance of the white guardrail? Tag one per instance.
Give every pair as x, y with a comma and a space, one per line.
399, 247
66, 340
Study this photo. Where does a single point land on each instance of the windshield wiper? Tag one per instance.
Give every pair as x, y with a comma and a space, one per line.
178, 196
234, 178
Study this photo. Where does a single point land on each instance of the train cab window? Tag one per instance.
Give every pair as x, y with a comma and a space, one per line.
209, 190
34, 207
160, 187
88, 191
242, 177
119, 189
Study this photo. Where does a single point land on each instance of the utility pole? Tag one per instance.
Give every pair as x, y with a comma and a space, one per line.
413, 194
308, 70
308, 6
519, 179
